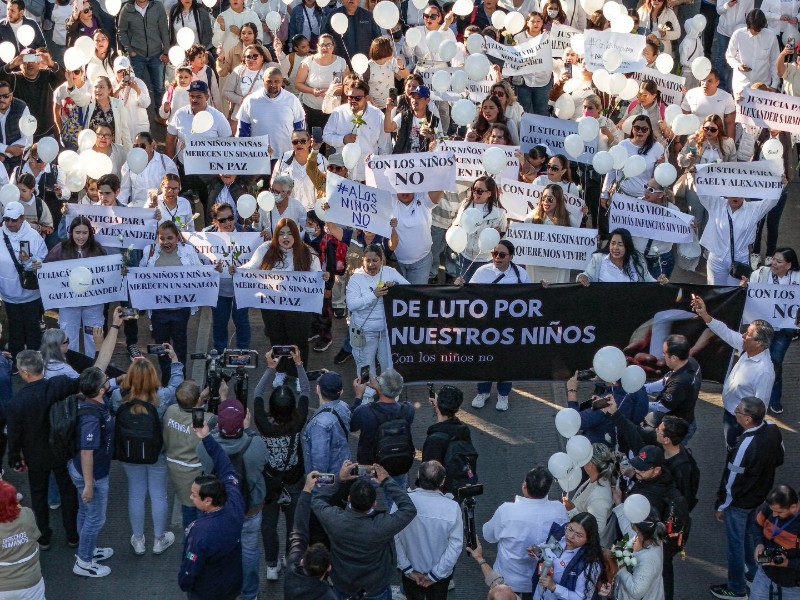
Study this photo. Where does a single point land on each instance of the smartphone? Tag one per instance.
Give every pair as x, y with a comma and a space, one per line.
314, 375
239, 360
337, 77
326, 478
156, 349
568, 69
198, 417
316, 133
88, 330
280, 351
129, 313
363, 471
393, 95
601, 403
31, 58
25, 246
364, 374
126, 77
431, 391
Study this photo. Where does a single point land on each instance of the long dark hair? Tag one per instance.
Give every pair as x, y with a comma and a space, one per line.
283, 405
632, 265
494, 193
69, 250
176, 11
651, 138
111, 52
275, 254
592, 550
481, 125
790, 256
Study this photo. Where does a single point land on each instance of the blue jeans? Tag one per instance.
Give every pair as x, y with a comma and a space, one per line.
417, 273
691, 432
503, 387
730, 428
251, 555
534, 99
144, 480
53, 495
780, 344
760, 588
383, 594
667, 261
720, 64
440, 248
402, 482
91, 515
221, 314
150, 69
346, 346
742, 531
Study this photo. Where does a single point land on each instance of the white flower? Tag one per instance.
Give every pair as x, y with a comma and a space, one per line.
618, 553
627, 561
626, 553
654, 248
633, 561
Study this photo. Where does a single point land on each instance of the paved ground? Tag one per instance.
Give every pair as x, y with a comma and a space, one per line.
509, 443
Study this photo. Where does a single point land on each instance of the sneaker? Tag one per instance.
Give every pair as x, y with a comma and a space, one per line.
313, 337
397, 593
90, 569
162, 543
72, 543
722, 591
322, 345
480, 400
55, 505
452, 585
272, 572
133, 351
138, 545
102, 554
776, 407
502, 403
342, 356
339, 313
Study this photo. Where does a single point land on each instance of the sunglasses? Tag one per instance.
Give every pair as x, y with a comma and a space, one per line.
65, 342
496, 254
430, 16
298, 142
9, 219
37, 159
225, 220
336, 168
480, 190
640, 129
252, 56
356, 98
142, 146
86, 11
652, 190
499, 94
710, 129
77, 71
554, 168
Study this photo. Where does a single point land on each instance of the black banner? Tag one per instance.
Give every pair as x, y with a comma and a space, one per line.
484, 332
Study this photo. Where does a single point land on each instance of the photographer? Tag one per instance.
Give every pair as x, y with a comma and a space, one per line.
134, 95
777, 553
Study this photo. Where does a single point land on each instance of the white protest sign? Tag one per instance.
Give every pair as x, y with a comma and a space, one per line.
551, 245
521, 198
561, 38
217, 246
768, 109
354, 205
279, 290
669, 85
152, 288
648, 220
535, 130
469, 157
630, 45
777, 304
420, 172
231, 155
106, 282
477, 90
761, 179
533, 56
118, 226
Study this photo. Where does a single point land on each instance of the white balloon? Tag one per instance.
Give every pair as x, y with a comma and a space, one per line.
137, 160
591, 6
420, 4
471, 220
113, 6
514, 22
577, 43
603, 162
458, 81
441, 81
633, 378
202, 122
339, 23
609, 362
185, 36
68, 160
692, 124
413, 37
74, 59
573, 145
612, 59
320, 3
86, 139
617, 83
672, 111
177, 56
47, 148
665, 174
86, 45
634, 166
568, 422
463, 8
627, 124
9, 193
579, 449
571, 481
98, 164
8, 52
602, 79
75, 181
488, 239
701, 67
560, 465
447, 50
622, 24
498, 19
699, 22
318, 208
772, 149
27, 125
564, 107
266, 201
588, 128
246, 205
212, 3
475, 41
636, 508
494, 160
664, 63
360, 63
80, 280
456, 238
630, 91
351, 154
25, 35
386, 14
477, 67
434, 40
273, 20
463, 112
620, 156
611, 10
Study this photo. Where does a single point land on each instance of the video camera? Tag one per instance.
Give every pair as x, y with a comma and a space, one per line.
218, 369
466, 496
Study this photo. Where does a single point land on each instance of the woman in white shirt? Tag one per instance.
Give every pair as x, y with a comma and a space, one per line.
484, 195
171, 205
659, 255
551, 210
594, 494
318, 75
533, 90
558, 173
133, 94
246, 78
512, 109
659, 23
411, 222
619, 262
365, 291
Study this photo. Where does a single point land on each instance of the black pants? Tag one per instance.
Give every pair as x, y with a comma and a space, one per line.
288, 328
438, 591
39, 480
269, 524
169, 325
709, 11
23, 326
321, 324
772, 221
668, 574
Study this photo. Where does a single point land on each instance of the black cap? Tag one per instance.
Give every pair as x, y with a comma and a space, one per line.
648, 457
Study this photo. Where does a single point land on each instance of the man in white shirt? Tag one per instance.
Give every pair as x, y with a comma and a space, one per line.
136, 186
272, 111
708, 99
731, 16
752, 53
751, 376
517, 525
356, 121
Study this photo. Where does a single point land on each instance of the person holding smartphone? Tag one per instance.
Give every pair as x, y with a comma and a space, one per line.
752, 53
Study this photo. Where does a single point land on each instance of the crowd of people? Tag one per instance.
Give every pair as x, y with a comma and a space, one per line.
98, 103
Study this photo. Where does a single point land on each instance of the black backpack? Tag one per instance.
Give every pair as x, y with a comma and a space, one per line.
237, 460
460, 462
63, 435
676, 519
137, 436
394, 447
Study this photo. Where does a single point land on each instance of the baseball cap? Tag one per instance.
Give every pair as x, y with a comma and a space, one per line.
648, 457
198, 86
337, 160
13, 210
121, 63
330, 384
230, 419
423, 91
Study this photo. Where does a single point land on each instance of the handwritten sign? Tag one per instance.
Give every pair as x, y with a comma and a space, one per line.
630, 45
106, 282
533, 56
118, 226
354, 205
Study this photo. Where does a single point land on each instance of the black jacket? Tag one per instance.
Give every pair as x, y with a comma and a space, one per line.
434, 448
783, 534
656, 490
361, 30
296, 584
681, 389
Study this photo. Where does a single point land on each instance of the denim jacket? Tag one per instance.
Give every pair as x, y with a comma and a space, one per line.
325, 445
297, 20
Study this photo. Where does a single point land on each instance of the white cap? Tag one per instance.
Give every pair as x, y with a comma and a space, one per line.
13, 210
121, 63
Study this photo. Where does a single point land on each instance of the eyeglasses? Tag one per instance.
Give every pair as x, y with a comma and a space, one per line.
86, 11
554, 168
710, 129
640, 129
171, 188
142, 146
480, 191
5, 96
225, 220
252, 56
652, 190
77, 71
356, 98
105, 136
326, 45
496, 254
279, 192
300, 141
548, 199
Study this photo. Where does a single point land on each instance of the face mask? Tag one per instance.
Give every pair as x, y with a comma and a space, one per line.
552, 14
311, 232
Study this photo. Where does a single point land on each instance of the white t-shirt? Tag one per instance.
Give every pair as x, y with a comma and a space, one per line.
720, 103
59, 18
320, 77
180, 124
413, 228
489, 274
272, 116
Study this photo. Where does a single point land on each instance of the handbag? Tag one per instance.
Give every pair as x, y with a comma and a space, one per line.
27, 279
738, 269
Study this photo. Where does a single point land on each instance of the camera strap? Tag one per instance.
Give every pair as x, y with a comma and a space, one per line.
776, 531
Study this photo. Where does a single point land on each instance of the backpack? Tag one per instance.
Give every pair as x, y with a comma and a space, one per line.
677, 521
341, 253
394, 447
460, 461
137, 436
237, 460
63, 436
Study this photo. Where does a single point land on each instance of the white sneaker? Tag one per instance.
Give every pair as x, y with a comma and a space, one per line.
480, 400
90, 569
272, 572
103, 553
502, 403
138, 544
162, 543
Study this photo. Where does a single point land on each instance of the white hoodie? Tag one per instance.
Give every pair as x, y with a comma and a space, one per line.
10, 286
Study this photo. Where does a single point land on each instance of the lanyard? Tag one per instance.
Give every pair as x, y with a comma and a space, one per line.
779, 530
